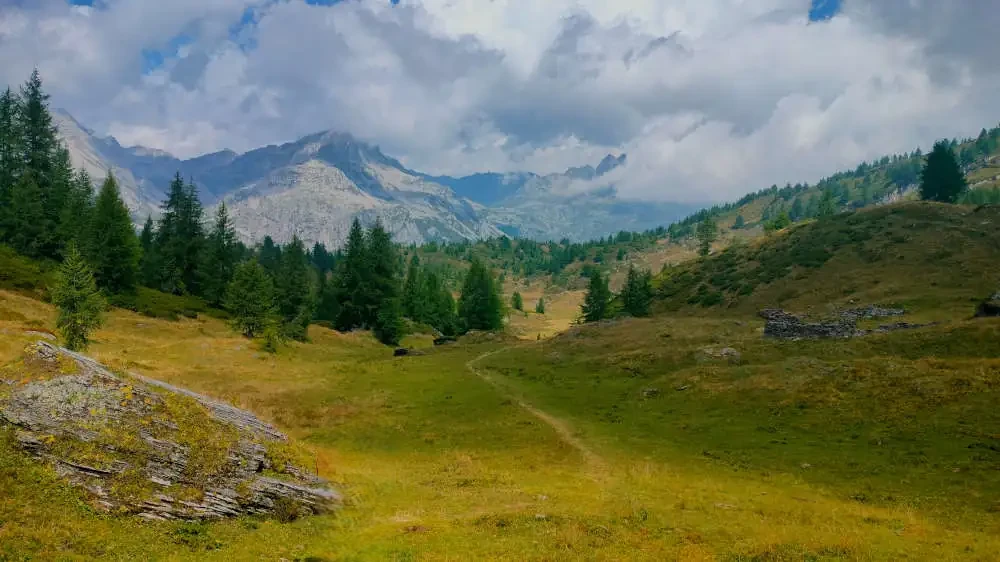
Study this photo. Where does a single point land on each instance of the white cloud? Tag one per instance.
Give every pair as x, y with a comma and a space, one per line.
710, 98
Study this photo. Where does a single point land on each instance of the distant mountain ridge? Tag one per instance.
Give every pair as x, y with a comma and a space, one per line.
314, 187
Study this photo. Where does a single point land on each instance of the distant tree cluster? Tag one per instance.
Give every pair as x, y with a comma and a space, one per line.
635, 298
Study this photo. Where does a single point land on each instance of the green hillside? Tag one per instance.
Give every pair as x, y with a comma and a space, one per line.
922, 256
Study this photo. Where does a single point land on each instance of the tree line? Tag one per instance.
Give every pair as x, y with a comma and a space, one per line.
48, 211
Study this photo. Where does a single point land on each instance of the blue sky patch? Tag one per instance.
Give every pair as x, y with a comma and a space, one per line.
823, 9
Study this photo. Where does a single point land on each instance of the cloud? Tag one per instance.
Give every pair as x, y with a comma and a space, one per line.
710, 98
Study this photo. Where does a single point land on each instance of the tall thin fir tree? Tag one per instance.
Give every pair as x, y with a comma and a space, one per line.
386, 317
597, 302
637, 294
295, 296
11, 157
27, 216
707, 233
351, 281
414, 299
77, 212
40, 135
148, 266
114, 248
220, 258
77, 300
480, 306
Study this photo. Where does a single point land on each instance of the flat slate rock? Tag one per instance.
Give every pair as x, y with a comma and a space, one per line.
144, 447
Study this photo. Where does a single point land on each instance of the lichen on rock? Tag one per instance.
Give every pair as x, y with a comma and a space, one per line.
141, 446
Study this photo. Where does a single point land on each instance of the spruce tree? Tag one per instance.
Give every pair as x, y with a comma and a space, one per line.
389, 328
540, 306
295, 298
351, 281
61, 187
414, 298
27, 216
77, 212
517, 302
942, 179
637, 294
270, 256
220, 258
597, 302
113, 248
739, 223
250, 299
77, 300
827, 204
707, 233
180, 239
40, 140
11, 157
148, 266
480, 306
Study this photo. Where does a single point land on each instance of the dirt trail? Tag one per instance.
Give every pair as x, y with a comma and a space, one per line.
562, 428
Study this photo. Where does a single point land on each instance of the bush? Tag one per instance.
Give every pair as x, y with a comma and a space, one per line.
23, 275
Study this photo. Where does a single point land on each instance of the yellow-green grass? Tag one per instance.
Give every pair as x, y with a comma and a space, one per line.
437, 463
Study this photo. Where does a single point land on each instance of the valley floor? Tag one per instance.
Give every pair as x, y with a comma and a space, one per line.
626, 441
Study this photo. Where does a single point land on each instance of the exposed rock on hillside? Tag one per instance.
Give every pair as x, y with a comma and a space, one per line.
989, 307
144, 447
783, 325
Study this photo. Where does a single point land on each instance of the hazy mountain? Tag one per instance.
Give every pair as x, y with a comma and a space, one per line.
315, 186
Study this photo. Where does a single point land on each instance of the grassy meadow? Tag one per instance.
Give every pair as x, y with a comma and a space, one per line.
625, 440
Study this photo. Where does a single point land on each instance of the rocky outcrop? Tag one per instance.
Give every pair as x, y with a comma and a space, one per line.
783, 325
990, 307
144, 447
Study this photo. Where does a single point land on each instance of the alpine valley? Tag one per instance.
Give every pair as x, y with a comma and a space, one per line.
316, 186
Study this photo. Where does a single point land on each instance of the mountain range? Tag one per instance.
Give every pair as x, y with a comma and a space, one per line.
314, 187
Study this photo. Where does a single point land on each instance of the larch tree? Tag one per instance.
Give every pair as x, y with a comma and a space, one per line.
113, 248
78, 302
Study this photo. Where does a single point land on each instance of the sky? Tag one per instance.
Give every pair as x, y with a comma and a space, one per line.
711, 99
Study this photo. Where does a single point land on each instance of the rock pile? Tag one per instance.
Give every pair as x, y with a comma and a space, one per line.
144, 447
783, 325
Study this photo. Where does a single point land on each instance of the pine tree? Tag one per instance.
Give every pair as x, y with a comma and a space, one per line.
11, 157
540, 306
480, 306
148, 266
351, 281
388, 327
77, 212
295, 298
941, 179
113, 248
517, 302
220, 257
827, 204
250, 299
27, 216
414, 299
637, 294
77, 300
40, 140
597, 302
707, 233
180, 239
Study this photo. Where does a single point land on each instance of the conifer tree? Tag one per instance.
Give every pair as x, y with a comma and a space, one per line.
61, 187
77, 212
295, 298
739, 223
827, 204
707, 233
180, 239
414, 298
637, 294
942, 179
597, 302
113, 248
540, 306
327, 304
11, 157
388, 327
220, 258
27, 216
270, 256
148, 266
77, 300
480, 306
39, 134
517, 302
250, 299
351, 281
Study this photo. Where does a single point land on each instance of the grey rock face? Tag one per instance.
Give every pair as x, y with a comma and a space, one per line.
871, 311
140, 446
